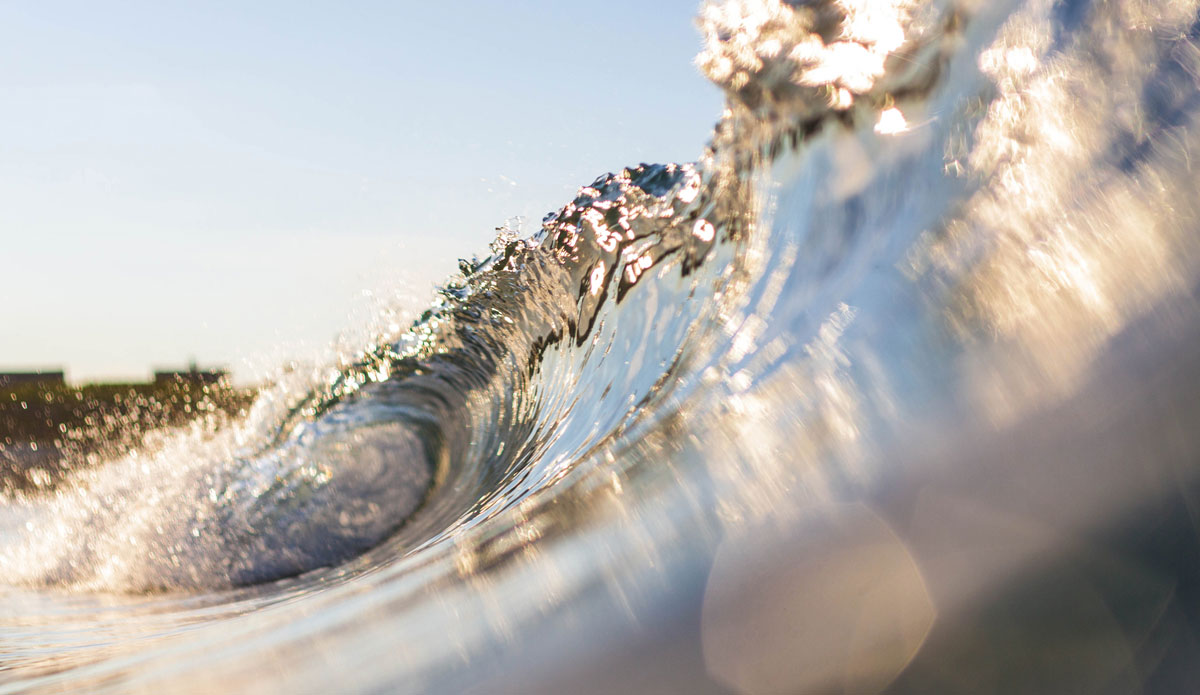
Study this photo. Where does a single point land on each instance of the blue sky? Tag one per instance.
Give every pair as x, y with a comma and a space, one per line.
224, 180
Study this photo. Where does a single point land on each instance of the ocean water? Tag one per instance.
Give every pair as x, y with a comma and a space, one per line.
894, 389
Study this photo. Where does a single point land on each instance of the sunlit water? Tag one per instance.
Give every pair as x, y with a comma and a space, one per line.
895, 388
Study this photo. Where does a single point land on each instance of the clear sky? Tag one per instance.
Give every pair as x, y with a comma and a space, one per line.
223, 180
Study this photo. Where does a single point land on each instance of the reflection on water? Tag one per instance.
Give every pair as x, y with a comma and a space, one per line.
894, 390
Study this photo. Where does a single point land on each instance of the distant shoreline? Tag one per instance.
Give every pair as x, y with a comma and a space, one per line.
49, 430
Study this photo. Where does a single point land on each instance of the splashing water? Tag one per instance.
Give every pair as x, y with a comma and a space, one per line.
892, 389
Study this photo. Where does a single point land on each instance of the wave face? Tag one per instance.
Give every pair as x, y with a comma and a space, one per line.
894, 388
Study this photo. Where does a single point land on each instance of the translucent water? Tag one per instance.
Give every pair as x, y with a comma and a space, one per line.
894, 388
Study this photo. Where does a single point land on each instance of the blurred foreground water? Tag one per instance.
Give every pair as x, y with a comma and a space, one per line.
896, 388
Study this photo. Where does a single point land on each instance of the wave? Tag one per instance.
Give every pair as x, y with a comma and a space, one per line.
925, 296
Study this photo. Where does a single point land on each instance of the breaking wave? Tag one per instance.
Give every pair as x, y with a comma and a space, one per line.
916, 321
